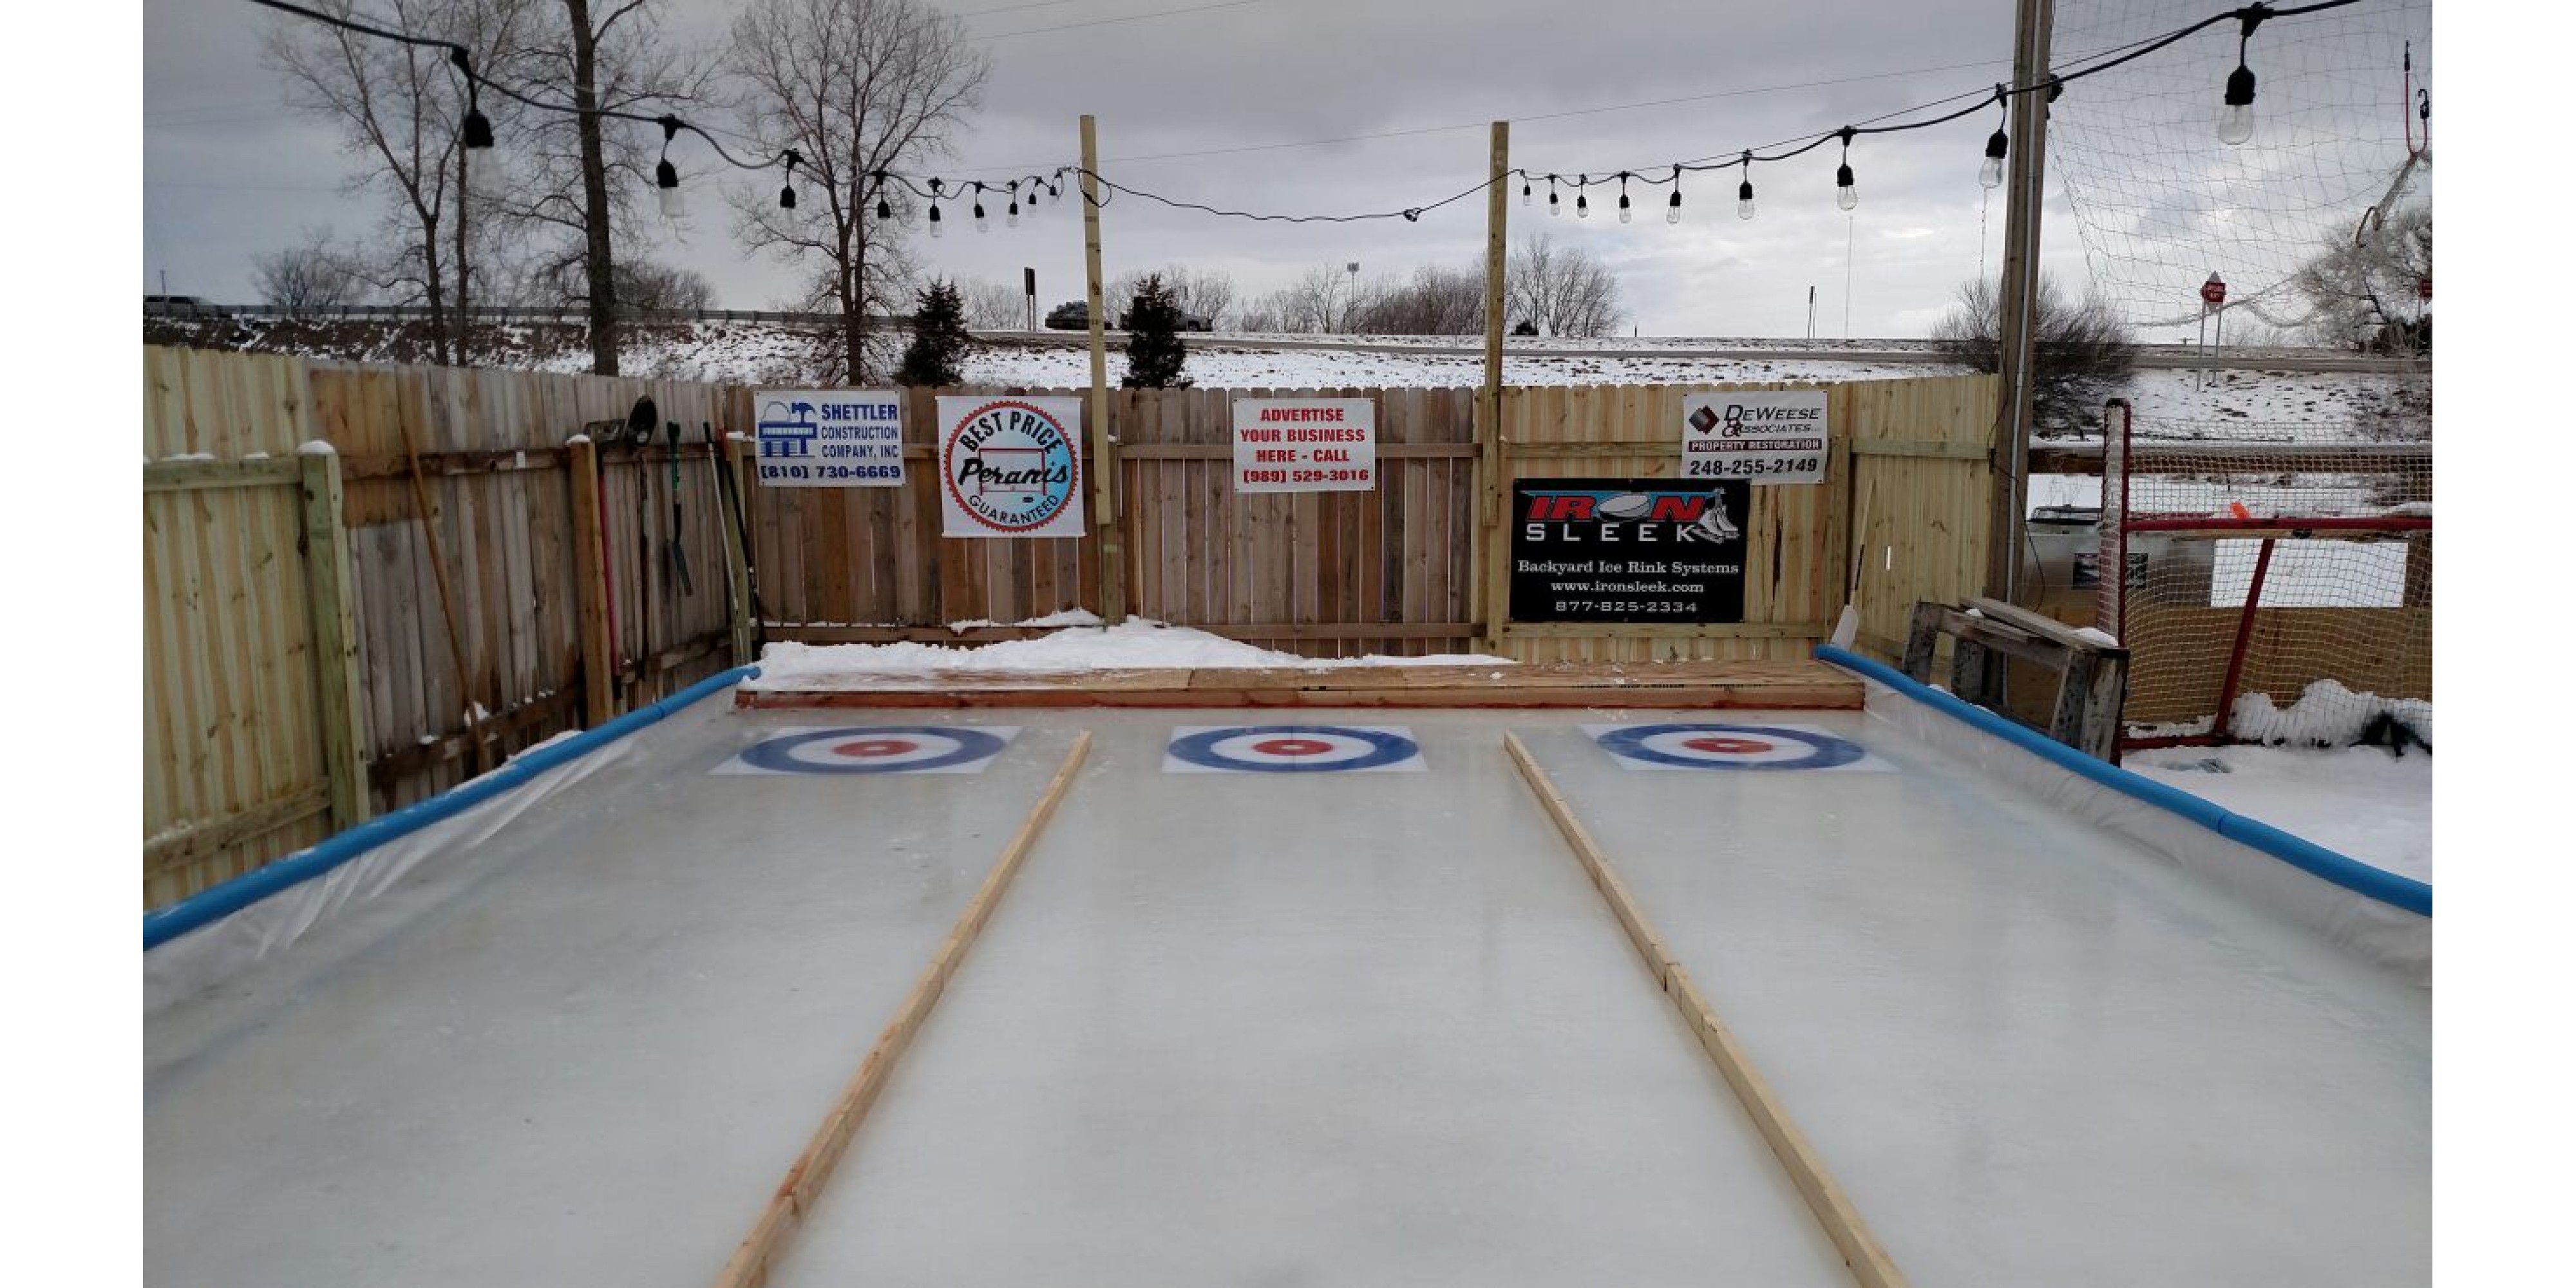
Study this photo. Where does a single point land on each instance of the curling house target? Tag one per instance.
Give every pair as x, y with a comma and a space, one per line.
874, 749
1292, 749
1727, 746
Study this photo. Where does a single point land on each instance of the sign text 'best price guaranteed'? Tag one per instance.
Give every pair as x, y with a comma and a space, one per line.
1010, 467
1305, 445
1776, 437
830, 438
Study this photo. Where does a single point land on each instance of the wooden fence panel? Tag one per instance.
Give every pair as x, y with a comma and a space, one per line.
235, 775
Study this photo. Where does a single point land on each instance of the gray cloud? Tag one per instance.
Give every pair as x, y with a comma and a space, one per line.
230, 172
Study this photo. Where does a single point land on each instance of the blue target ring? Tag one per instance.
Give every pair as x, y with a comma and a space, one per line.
779, 754
1826, 751
1201, 749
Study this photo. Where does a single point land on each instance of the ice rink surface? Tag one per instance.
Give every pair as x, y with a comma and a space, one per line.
1294, 1028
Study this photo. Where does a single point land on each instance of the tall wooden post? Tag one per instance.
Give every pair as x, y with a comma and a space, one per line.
1485, 588
590, 583
746, 618
330, 599
1106, 521
2025, 191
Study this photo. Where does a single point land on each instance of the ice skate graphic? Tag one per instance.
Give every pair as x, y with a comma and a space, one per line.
1713, 525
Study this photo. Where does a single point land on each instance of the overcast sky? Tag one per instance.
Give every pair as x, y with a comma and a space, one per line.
230, 172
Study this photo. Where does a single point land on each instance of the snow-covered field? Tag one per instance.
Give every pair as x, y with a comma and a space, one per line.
791, 354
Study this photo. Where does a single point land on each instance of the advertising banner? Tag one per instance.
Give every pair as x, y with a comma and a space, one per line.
1305, 445
1776, 437
829, 438
1628, 550
1010, 467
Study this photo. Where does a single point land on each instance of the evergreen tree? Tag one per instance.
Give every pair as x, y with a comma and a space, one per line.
939, 339
1154, 351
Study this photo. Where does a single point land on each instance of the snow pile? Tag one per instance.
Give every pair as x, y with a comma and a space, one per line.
2357, 801
1067, 617
2326, 715
1134, 643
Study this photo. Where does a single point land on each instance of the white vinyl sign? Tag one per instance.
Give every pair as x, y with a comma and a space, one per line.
1777, 437
1305, 445
1010, 467
830, 438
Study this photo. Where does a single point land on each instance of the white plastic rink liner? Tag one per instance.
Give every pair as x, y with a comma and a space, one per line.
582, 1045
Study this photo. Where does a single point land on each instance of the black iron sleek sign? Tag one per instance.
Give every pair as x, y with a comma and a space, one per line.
1628, 550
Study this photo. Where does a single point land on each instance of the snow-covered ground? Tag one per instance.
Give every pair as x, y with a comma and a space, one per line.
2358, 801
1083, 645
790, 354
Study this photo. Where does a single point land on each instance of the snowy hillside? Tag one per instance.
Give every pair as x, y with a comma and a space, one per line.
791, 353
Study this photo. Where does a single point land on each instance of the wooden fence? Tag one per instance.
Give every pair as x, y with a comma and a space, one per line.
336, 634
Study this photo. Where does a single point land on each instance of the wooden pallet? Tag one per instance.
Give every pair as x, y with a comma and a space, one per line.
1803, 685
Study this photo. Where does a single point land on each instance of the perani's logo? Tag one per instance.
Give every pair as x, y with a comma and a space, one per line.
1012, 467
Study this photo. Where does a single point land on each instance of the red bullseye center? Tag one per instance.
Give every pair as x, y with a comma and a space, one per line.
1291, 747
1728, 746
875, 747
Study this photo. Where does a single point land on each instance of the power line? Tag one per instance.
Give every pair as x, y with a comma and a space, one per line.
1105, 22
2239, 96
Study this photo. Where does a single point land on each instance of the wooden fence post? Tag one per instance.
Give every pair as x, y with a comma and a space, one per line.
1483, 605
1104, 452
590, 581
330, 600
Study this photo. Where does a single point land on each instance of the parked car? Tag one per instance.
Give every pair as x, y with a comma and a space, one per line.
1072, 315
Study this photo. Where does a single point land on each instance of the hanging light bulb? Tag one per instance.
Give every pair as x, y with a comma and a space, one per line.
1011, 218
666, 177
982, 224
1744, 190
1673, 206
1553, 209
1991, 174
476, 129
2236, 115
885, 208
2236, 118
787, 189
1582, 204
1525, 193
1624, 213
935, 229
1846, 194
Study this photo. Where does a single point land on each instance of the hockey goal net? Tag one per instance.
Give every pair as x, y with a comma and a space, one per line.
2276, 580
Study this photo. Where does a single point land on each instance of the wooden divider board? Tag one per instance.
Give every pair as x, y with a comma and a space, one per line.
813, 1167
1869, 1263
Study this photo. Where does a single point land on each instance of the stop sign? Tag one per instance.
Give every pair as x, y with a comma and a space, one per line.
2213, 292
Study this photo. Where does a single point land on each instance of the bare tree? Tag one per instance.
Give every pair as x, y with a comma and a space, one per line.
2364, 291
1323, 300
646, 286
400, 110
994, 306
1562, 290
314, 275
856, 88
1434, 301
577, 174
1204, 296
2081, 348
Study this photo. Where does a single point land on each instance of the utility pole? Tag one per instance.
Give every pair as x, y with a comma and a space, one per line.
1484, 604
2024, 186
1104, 465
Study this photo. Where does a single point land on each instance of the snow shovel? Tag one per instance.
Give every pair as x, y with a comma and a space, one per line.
674, 555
